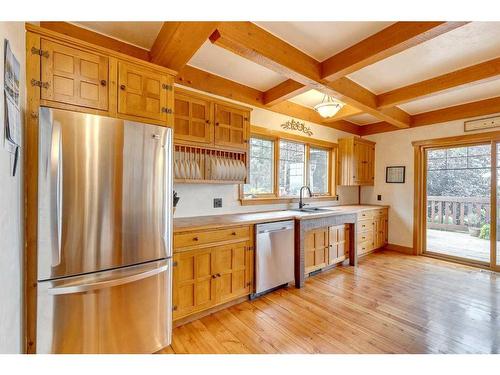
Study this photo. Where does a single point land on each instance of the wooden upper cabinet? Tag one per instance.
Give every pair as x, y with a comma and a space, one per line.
192, 119
231, 126
143, 92
73, 76
356, 162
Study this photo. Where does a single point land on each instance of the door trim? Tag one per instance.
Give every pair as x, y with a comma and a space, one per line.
420, 193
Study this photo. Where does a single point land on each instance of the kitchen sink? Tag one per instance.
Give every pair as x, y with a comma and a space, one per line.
312, 209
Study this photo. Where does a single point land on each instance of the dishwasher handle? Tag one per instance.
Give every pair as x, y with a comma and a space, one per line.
278, 226
274, 230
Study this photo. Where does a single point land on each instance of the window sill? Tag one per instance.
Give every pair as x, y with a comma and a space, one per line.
284, 200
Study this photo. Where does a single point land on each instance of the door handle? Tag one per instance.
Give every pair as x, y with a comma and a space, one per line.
106, 284
56, 184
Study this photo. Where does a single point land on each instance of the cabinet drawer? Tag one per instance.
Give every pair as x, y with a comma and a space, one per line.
380, 212
364, 247
207, 237
365, 225
365, 236
365, 215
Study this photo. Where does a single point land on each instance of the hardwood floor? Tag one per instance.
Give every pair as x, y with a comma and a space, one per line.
392, 303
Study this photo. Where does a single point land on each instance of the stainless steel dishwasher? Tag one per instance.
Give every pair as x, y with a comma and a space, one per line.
274, 255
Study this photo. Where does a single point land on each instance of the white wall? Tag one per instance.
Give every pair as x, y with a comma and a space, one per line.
395, 148
197, 200
11, 210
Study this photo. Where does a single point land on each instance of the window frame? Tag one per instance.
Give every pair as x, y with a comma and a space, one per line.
276, 137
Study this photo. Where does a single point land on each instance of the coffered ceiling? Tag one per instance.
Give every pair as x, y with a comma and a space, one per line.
385, 72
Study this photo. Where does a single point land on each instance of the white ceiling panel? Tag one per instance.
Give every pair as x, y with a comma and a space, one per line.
363, 119
321, 40
141, 34
221, 62
467, 45
467, 94
309, 98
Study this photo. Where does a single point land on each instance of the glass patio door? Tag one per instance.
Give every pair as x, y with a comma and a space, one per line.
495, 256
458, 207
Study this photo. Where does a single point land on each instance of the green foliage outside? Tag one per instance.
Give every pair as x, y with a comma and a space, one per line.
485, 232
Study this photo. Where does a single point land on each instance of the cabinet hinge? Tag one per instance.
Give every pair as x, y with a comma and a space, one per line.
174, 307
174, 264
166, 110
164, 86
39, 52
43, 85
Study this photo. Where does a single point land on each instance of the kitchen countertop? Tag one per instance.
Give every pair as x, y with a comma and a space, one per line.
216, 221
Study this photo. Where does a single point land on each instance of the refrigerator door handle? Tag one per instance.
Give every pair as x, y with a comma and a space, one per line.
56, 191
106, 284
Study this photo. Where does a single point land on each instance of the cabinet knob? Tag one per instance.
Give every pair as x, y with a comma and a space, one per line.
103, 82
217, 123
195, 238
123, 87
207, 121
234, 233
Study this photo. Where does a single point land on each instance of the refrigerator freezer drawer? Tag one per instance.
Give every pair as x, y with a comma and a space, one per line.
126, 310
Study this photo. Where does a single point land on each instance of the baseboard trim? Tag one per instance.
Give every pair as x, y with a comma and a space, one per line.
399, 249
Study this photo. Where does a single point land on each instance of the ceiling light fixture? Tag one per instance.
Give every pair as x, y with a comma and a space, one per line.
328, 106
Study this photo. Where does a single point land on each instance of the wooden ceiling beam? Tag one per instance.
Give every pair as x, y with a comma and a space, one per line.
255, 44
177, 42
284, 91
458, 112
472, 74
387, 42
96, 38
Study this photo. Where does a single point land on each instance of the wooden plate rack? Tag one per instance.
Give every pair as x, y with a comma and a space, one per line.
196, 165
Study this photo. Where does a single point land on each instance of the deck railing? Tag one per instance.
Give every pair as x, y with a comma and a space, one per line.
451, 213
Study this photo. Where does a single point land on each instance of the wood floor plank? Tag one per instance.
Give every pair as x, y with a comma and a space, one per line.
390, 303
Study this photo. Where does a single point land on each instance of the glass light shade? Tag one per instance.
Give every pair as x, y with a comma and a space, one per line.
328, 109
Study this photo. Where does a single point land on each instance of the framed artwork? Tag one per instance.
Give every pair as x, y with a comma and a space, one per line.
395, 175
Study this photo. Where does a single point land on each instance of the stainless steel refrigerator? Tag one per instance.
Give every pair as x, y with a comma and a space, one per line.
104, 234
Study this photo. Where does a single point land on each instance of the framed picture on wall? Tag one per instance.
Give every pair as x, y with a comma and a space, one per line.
395, 174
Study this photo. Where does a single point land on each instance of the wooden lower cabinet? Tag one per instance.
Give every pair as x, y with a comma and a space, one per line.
315, 249
339, 244
372, 230
325, 246
194, 284
330, 245
210, 276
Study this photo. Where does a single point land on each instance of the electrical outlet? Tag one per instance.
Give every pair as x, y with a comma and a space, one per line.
379, 197
217, 202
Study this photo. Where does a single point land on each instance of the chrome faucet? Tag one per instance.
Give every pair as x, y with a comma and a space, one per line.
302, 204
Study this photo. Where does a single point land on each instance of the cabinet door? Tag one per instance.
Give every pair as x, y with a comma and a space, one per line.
192, 119
230, 271
231, 127
316, 249
194, 285
74, 76
338, 249
142, 93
